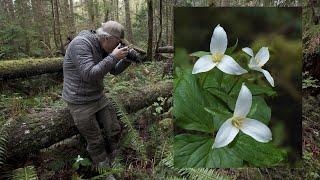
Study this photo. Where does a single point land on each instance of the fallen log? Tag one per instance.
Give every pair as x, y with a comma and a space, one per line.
40, 130
23, 68
29, 67
165, 49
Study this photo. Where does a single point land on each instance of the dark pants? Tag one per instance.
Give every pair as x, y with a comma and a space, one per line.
89, 119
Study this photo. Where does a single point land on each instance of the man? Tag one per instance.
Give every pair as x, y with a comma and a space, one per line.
89, 57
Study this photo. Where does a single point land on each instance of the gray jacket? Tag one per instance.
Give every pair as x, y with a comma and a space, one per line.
84, 67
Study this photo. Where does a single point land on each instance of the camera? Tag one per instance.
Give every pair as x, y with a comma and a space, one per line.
132, 55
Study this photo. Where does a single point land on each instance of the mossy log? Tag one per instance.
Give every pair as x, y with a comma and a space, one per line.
24, 68
33, 132
29, 67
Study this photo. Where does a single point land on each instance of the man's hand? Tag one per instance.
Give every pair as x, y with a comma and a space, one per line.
120, 53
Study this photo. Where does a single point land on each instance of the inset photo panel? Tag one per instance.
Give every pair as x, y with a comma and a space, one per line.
237, 87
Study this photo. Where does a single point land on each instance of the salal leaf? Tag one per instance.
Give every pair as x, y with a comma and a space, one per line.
195, 151
256, 153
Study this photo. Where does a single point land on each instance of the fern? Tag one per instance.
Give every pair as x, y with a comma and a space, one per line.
27, 172
192, 173
132, 136
3, 145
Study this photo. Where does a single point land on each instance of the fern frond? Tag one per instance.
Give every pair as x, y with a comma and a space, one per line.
132, 136
192, 173
27, 172
3, 144
175, 178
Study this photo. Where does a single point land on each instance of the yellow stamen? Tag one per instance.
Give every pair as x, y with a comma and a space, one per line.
217, 57
237, 121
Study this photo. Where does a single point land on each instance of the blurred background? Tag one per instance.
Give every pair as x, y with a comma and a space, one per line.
277, 28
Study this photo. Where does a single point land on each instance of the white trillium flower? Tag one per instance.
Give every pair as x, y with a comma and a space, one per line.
258, 60
218, 46
230, 128
79, 159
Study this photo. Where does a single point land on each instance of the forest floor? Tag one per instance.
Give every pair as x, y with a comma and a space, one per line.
148, 155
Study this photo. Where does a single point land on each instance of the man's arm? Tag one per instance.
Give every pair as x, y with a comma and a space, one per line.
81, 56
120, 67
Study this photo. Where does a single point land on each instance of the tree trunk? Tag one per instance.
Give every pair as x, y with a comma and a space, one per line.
117, 10
106, 11
315, 16
37, 131
72, 20
128, 20
160, 25
150, 30
8, 8
57, 26
90, 9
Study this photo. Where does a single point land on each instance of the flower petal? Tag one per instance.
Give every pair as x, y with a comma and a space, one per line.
244, 101
203, 64
230, 66
248, 51
253, 63
268, 77
219, 40
226, 133
256, 129
262, 56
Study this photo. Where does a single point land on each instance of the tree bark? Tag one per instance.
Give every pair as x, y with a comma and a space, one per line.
33, 132
160, 25
150, 30
128, 20
165, 49
57, 26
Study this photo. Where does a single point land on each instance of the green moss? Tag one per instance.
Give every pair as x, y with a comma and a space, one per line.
21, 64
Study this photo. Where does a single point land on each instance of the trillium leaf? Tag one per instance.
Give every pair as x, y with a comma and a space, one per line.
200, 53
260, 110
256, 153
220, 115
254, 88
195, 151
231, 49
189, 103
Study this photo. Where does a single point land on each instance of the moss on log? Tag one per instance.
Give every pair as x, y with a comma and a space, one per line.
29, 67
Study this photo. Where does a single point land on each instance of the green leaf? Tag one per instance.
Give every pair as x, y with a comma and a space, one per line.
189, 103
254, 88
220, 115
85, 162
200, 53
231, 49
195, 151
256, 153
260, 110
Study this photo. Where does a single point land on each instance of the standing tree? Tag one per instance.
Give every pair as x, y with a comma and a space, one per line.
150, 30
128, 20
160, 25
56, 26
